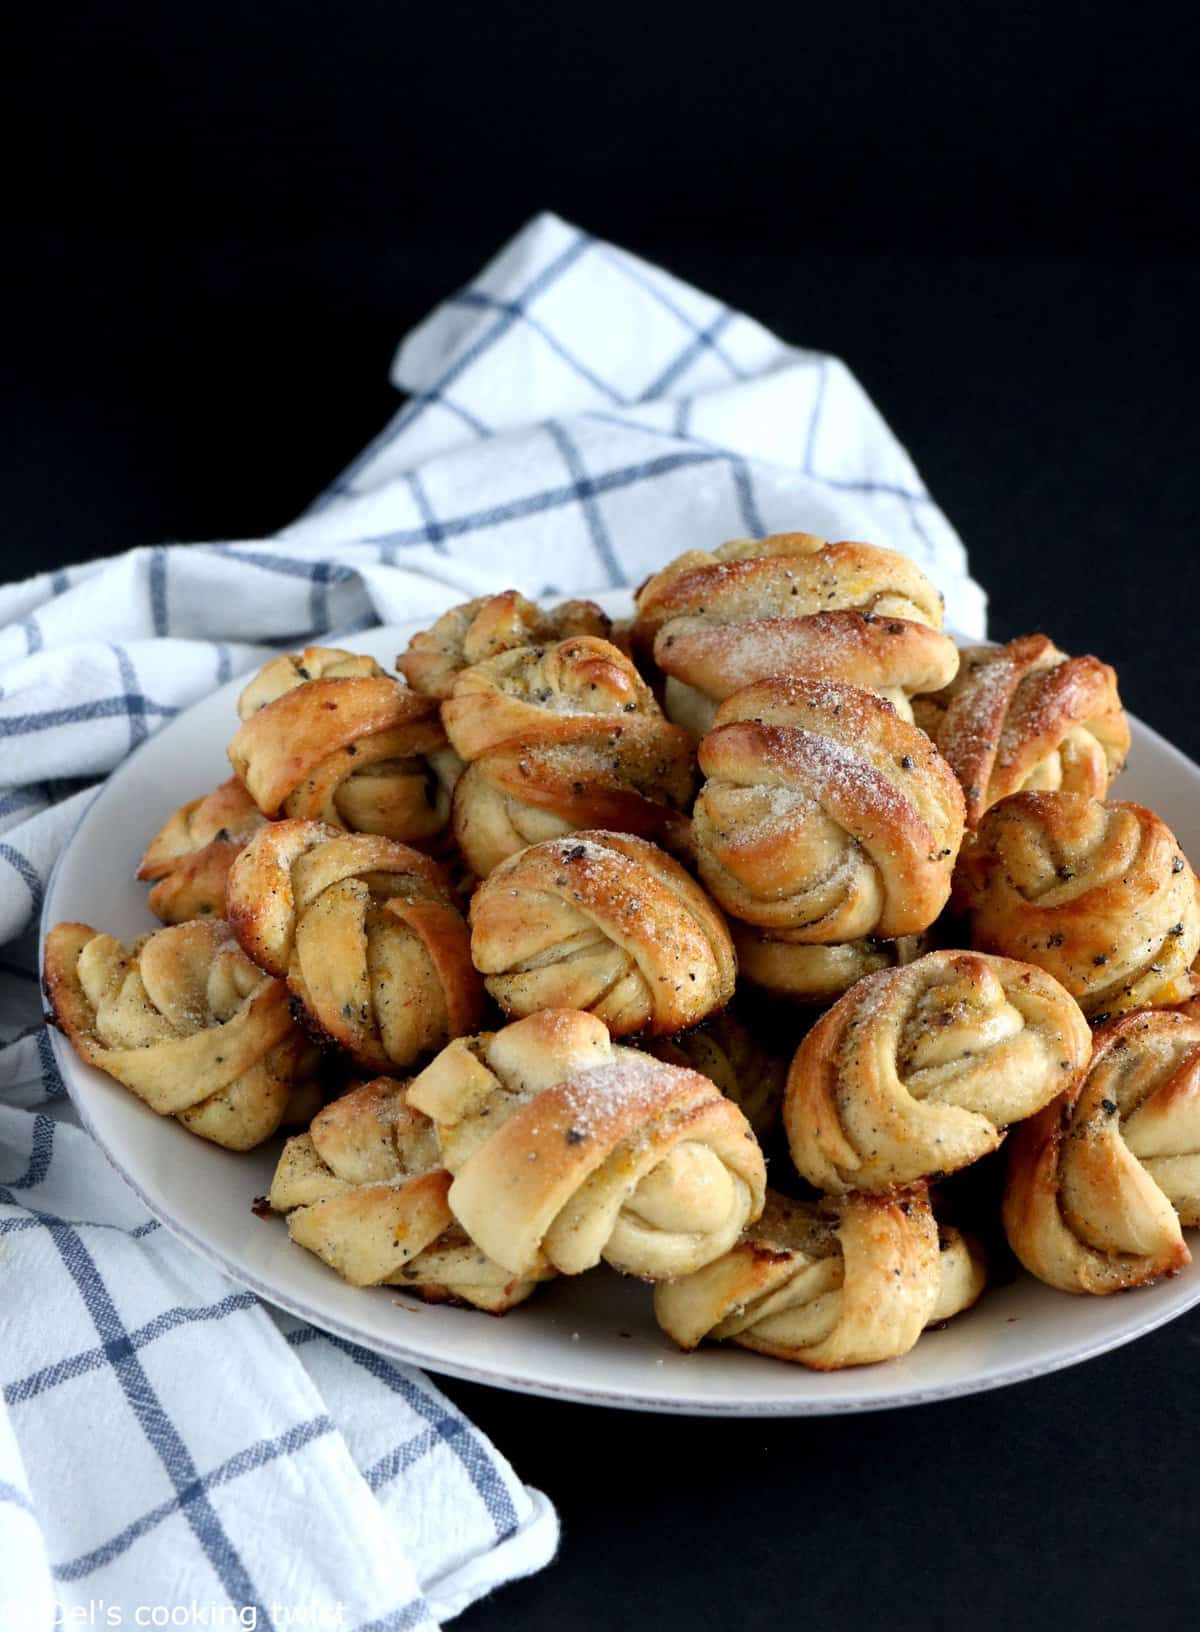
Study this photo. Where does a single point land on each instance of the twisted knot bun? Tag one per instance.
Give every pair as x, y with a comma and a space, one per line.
329, 736
485, 627
706, 660
366, 935
563, 737
1100, 1182
828, 1284
790, 604
539, 692
603, 922
566, 1150
190, 856
1098, 894
187, 1022
786, 965
919, 1070
789, 576
365, 1191
637, 776
824, 814
1027, 716
727, 1052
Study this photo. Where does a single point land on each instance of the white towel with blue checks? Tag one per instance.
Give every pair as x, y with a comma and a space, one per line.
169, 1446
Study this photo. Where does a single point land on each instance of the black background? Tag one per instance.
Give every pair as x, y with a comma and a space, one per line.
221, 221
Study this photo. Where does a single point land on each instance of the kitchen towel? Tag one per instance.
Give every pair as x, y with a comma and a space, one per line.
169, 1445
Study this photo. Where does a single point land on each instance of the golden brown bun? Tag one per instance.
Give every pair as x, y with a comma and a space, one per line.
364, 931
1027, 716
539, 693
483, 628
329, 736
567, 1149
562, 737
706, 660
787, 966
918, 1070
788, 575
1100, 1182
728, 1052
829, 1284
634, 777
364, 1189
190, 856
824, 813
604, 922
1098, 894
186, 1021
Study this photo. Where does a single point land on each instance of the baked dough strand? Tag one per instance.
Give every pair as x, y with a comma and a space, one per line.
1100, 1182
828, 1284
365, 1191
366, 935
186, 1021
824, 814
604, 922
567, 1149
1098, 894
919, 1070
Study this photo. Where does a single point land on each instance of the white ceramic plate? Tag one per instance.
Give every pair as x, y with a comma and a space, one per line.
593, 1338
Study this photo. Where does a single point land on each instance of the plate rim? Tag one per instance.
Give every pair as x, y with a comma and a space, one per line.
74, 1071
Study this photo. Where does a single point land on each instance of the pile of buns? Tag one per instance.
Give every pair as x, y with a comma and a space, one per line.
539, 947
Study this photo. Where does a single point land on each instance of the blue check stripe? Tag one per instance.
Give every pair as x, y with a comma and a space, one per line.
138, 729
446, 1425
585, 492
704, 339
408, 1454
33, 1218
516, 309
479, 298
848, 484
192, 1501
703, 334
101, 708
52, 1080
77, 1365
433, 527
191, 1491
747, 503
41, 1153
27, 872
401, 1620
287, 566
552, 498
158, 589
17, 1498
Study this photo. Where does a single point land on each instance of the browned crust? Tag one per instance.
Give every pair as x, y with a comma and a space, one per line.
494, 702
482, 628
1080, 1125
728, 586
1099, 894
634, 777
640, 898
875, 774
1013, 706
858, 648
284, 742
